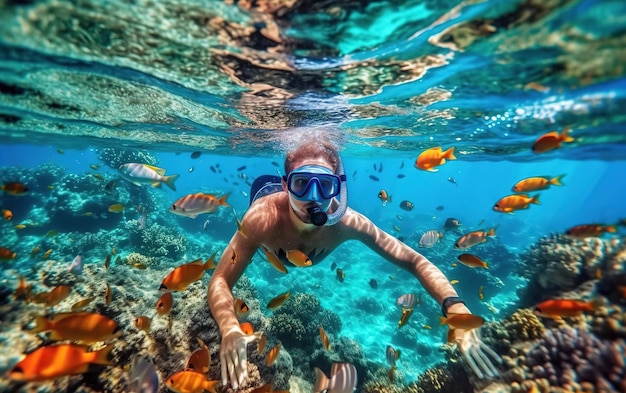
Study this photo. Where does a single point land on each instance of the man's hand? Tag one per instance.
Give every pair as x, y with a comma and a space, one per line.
233, 355
475, 353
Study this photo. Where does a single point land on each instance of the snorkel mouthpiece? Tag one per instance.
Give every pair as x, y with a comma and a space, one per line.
317, 216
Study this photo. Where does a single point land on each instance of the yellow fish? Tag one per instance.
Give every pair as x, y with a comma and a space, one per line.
116, 208
278, 300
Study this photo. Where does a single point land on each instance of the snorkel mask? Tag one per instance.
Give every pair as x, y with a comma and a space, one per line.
318, 184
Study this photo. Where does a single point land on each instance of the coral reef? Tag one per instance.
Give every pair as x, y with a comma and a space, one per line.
522, 325
158, 241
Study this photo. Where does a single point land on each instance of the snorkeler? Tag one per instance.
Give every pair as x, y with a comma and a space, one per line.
307, 211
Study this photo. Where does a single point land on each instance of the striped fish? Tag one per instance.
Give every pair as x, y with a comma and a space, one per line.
140, 174
406, 301
430, 238
343, 379
194, 204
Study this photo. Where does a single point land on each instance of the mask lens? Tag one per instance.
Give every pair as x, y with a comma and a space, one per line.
300, 184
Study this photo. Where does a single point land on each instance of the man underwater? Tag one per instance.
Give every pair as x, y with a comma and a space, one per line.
308, 211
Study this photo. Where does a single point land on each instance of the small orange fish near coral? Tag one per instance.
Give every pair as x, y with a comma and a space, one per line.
246, 328
511, 203
143, 323
590, 230
278, 300
180, 278
555, 308
14, 188
433, 157
7, 214
384, 197
551, 141
537, 183
462, 321
470, 260
164, 305
7, 254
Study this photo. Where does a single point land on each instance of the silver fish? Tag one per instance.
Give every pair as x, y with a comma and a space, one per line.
139, 174
143, 376
76, 267
406, 301
392, 355
429, 238
343, 379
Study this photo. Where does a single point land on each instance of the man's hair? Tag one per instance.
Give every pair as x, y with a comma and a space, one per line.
314, 149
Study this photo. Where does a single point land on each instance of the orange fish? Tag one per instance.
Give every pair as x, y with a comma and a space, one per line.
241, 308
6, 254
274, 260
590, 230
272, 355
190, 382
554, 308
194, 204
180, 278
324, 337
551, 140
164, 305
462, 321
246, 328
200, 360
298, 258
472, 261
384, 197
108, 296
510, 203
14, 188
57, 295
143, 323
7, 214
82, 303
22, 290
278, 300
537, 183
433, 157
55, 361
473, 238
77, 326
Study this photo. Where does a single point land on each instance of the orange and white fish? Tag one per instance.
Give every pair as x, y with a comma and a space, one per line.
299, 258
14, 188
7, 254
555, 308
511, 203
191, 382
473, 238
272, 355
433, 157
551, 140
7, 214
343, 379
194, 204
278, 300
384, 197
537, 183
139, 174
180, 278
77, 326
164, 305
470, 260
590, 230
200, 360
55, 361
462, 321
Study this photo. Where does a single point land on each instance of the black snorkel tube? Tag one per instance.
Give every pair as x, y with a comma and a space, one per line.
319, 217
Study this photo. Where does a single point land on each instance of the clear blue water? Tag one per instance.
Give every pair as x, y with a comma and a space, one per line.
384, 80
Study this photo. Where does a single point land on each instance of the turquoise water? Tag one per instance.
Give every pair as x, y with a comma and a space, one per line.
383, 80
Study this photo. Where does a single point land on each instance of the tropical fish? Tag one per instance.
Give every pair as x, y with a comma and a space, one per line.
95, 167
590, 230
180, 278
241, 308
384, 197
433, 157
195, 154
117, 208
77, 326
537, 183
200, 360
406, 301
55, 361
343, 379
510, 203
470, 260
7, 254
340, 275
194, 204
324, 338
392, 355
454, 282
22, 290
108, 295
430, 238
551, 140
164, 305
139, 174
480, 293
274, 260
14, 188
7, 214
406, 314
76, 267
453, 181
143, 376
107, 261
47, 254
34, 251
451, 224
278, 300
246, 328
373, 283
190, 382
462, 321
143, 323
262, 343
555, 308
473, 238
82, 303
57, 295
374, 178
298, 258
272, 355
20, 226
